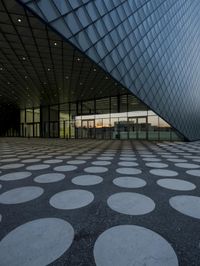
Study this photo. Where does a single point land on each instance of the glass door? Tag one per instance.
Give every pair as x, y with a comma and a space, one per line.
142, 128
137, 128
88, 129
132, 127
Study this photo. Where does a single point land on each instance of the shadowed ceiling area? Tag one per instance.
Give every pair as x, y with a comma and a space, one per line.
38, 67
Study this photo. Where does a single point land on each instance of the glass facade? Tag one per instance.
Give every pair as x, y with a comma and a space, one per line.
150, 47
120, 117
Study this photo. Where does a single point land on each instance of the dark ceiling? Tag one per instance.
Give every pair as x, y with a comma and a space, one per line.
38, 67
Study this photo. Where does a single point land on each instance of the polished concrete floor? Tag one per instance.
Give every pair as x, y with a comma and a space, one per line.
104, 203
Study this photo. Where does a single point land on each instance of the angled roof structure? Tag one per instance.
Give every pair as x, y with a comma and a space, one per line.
151, 48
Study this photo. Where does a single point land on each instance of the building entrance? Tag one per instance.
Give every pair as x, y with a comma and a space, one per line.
137, 128
88, 129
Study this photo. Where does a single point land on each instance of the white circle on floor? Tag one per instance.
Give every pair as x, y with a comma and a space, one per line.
187, 165
49, 178
129, 182
51, 161
163, 172
63, 157
104, 158
151, 159
76, 162
97, 169
176, 184
12, 166
65, 168
128, 171
177, 160
126, 245
157, 165
186, 204
87, 180
128, 159
9, 160
124, 163
130, 203
31, 160
194, 172
37, 167
15, 176
83, 157
71, 199
44, 156
38, 242
20, 195
101, 163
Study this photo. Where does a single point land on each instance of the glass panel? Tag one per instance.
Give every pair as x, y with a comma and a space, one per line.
153, 129
142, 127
164, 130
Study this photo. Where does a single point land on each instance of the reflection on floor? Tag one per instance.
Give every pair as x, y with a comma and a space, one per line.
88, 202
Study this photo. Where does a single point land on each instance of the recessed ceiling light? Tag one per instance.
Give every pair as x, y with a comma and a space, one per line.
66, 77
19, 20
48, 69
1, 68
55, 43
94, 69
78, 59
26, 77
106, 77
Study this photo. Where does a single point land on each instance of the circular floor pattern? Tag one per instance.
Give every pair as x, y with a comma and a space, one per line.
84, 157
9, 160
49, 178
38, 242
130, 203
124, 163
128, 159
44, 157
52, 161
129, 182
133, 245
101, 163
87, 180
151, 159
176, 184
95, 169
15, 176
37, 167
31, 160
20, 195
11, 166
194, 172
76, 162
177, 160
62, 157
157, 165
187, 165
71, 199
65, 168
163, 172
128, 171
104, 158
188, 205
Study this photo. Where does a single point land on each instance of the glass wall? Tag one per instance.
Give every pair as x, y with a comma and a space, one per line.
119, 117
